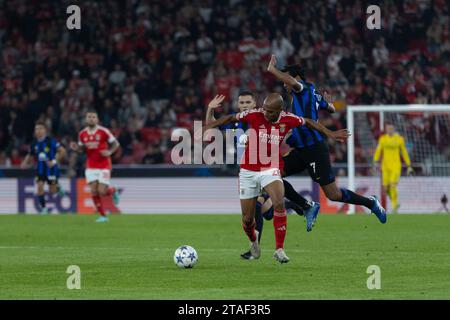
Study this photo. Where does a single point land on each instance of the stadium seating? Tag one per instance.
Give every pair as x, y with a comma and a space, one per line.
144, 64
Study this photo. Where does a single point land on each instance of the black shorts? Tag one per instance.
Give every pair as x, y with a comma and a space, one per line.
51, 180
315, 159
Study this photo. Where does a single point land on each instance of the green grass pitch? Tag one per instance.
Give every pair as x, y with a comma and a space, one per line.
131, 257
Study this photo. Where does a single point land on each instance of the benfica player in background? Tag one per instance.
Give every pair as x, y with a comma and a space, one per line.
99, 144
268, 127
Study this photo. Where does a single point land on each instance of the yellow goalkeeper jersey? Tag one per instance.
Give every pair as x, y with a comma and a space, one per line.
392, 147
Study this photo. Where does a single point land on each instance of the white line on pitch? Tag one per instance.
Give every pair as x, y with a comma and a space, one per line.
207, 249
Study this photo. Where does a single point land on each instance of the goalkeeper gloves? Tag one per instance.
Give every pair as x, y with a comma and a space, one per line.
409, 171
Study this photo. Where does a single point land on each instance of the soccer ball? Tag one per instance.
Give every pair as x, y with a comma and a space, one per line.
185, 257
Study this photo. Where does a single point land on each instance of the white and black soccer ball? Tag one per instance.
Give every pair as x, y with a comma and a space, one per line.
185, 257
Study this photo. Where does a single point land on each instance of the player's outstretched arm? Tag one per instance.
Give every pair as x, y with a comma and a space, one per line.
215, 103
221, 122
286, 78
217, 123
339, 135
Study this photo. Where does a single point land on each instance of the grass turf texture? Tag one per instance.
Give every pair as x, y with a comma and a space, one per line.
131, 257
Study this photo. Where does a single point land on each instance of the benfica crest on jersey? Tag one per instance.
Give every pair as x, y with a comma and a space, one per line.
282, 127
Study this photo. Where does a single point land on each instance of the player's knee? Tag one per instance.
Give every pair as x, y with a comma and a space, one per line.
278, 204
247, 220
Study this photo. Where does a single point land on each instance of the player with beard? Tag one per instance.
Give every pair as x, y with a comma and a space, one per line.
99, 144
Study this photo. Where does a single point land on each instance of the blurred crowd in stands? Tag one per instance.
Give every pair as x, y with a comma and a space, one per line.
151, 66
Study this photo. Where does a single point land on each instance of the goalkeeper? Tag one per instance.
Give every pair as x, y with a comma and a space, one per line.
392, 144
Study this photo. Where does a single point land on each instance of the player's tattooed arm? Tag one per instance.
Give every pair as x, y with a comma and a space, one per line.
339, 135
215, 103
286, 78
114, 146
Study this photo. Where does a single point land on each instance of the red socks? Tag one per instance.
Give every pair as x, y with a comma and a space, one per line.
98, 204
250, 230
280, 225
98, 200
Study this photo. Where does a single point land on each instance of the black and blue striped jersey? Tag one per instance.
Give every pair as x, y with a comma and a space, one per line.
45, 150
307, 104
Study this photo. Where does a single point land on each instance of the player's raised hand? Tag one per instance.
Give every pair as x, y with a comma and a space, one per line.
74, 146
340, 135
272, 63
216, 102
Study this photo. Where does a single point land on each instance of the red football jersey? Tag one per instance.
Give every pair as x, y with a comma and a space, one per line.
94, 142
263, 151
